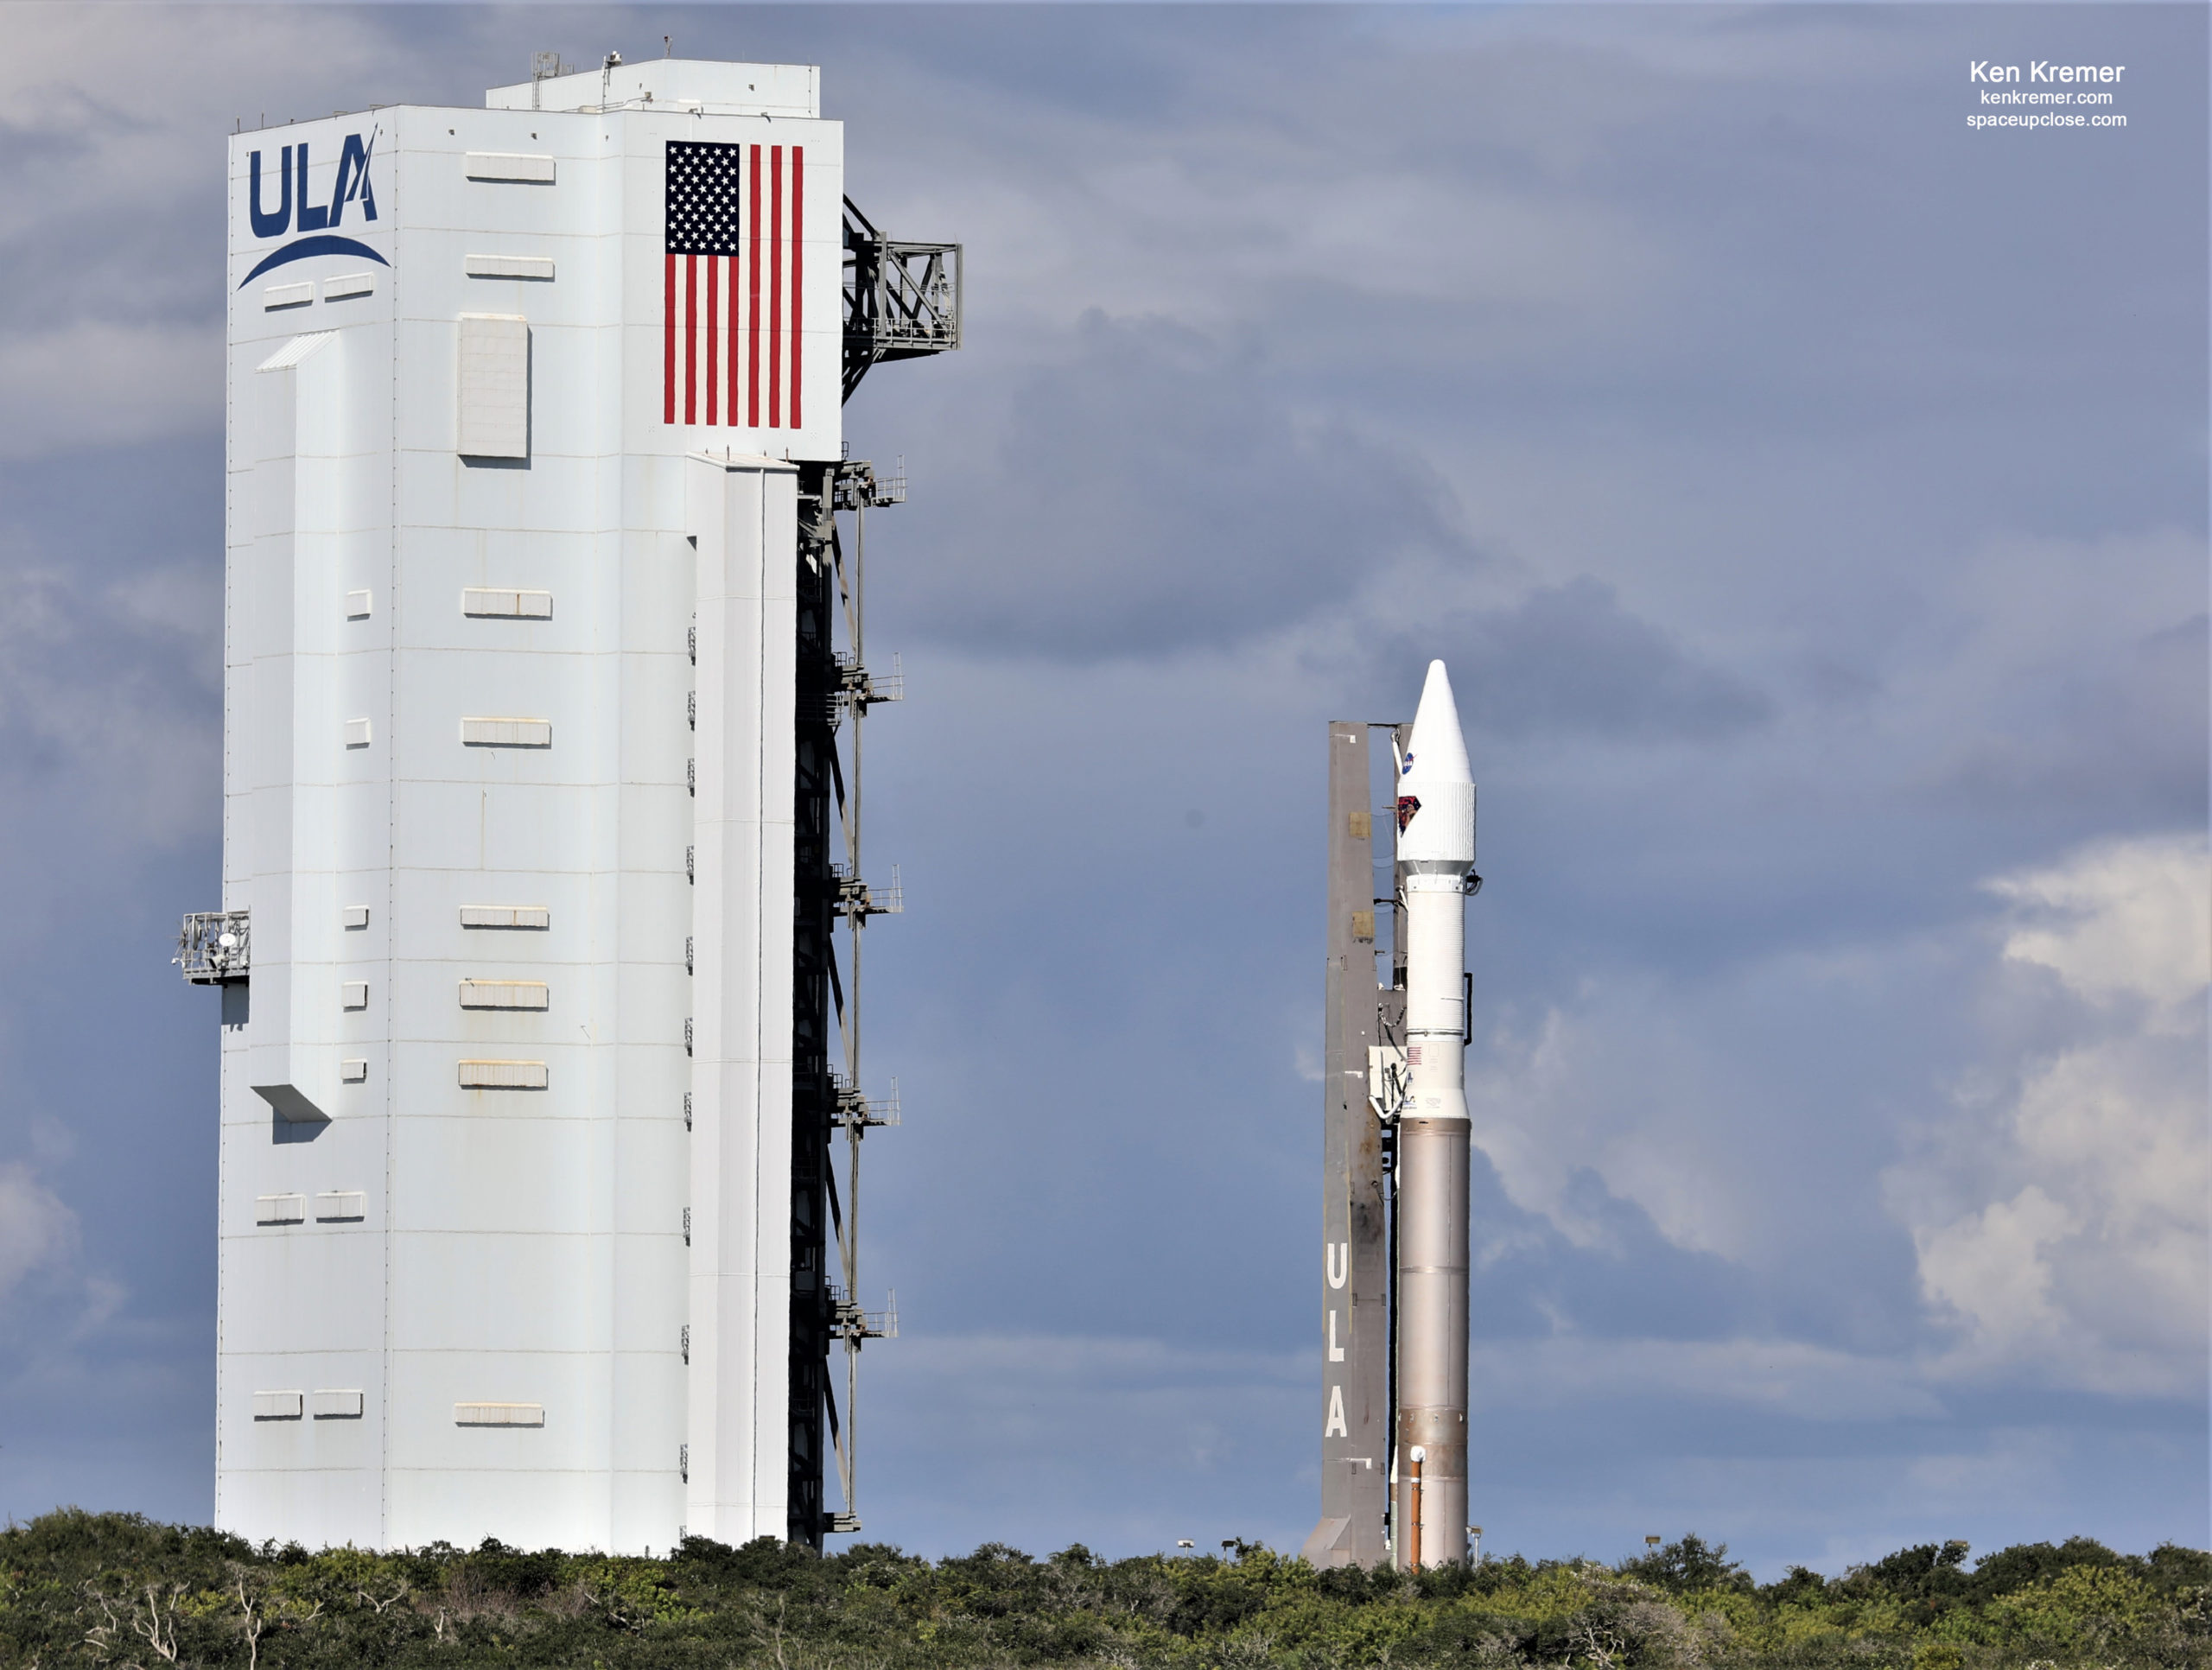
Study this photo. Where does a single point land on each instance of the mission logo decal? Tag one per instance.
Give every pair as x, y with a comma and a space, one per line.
293, 212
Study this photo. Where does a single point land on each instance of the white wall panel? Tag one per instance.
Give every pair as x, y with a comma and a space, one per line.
522, 1504
495, 1176
743, 516
320, 1288
484, 1294
492, 386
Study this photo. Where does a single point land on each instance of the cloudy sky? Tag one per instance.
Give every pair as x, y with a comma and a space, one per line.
1809, 494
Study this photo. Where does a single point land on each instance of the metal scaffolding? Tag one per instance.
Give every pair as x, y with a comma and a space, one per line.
215, 948
851, 691
902, 299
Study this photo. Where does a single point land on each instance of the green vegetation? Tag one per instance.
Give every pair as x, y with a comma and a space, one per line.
113, 1590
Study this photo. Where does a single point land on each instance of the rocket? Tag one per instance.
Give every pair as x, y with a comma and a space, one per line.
1435, 861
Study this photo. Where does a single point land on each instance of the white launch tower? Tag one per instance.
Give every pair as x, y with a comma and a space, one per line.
540, 641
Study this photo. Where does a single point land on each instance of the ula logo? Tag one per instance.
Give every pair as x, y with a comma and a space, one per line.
291, 191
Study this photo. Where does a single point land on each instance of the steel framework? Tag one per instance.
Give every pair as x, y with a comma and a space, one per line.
836, 693
1364, 1036
214, 948
902, 299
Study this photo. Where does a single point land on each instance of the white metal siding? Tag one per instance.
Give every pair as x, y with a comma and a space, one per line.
493, 385
744, 514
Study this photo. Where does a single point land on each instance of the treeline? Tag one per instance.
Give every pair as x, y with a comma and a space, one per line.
115, 1590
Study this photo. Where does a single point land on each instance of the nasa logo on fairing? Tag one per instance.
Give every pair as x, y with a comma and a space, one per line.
293, 207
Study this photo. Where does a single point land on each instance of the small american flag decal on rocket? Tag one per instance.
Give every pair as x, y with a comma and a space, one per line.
732, 279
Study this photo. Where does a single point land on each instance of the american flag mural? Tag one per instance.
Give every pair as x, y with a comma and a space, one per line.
732, 278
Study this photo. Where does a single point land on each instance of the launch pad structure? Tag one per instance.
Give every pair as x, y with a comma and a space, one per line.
1362, 1016
1396, 1148
544, 908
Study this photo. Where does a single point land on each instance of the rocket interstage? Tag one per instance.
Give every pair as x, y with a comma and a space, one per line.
1436, 857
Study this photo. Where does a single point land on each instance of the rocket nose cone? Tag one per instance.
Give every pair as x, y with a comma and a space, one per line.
1437, 749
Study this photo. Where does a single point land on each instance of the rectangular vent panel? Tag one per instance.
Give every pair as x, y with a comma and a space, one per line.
332, 1405
503, 994
495, 732
356, 915
357, 733
287, 296
507, 266
517, 167
356, 993
353, 1070
493, 386
277, 1406
356, 605
497, 1415
500, 603
506, 916
340, 1206
348, 285
280, 1208
502, 1075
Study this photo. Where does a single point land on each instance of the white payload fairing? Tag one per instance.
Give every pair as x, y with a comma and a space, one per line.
1436, 857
